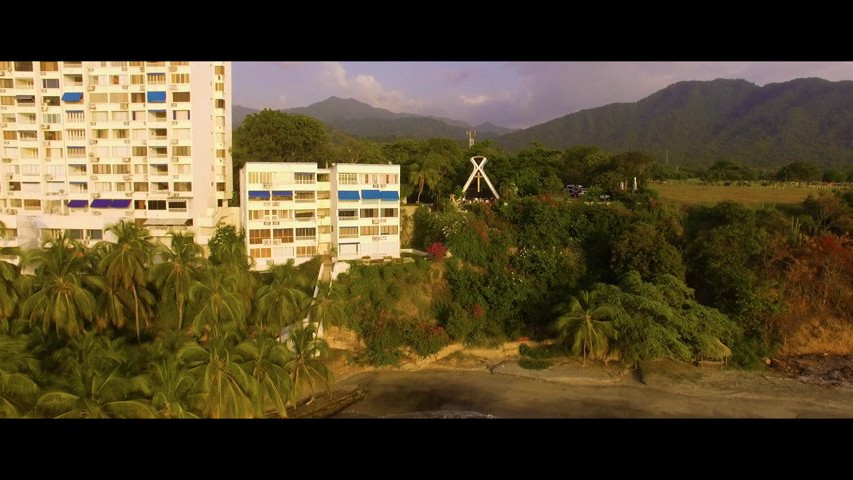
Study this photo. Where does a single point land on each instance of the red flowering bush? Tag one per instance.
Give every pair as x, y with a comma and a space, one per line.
436, 251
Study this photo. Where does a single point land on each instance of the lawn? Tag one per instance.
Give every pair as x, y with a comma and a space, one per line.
753, 196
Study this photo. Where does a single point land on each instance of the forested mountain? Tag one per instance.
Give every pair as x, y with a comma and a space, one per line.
698, 123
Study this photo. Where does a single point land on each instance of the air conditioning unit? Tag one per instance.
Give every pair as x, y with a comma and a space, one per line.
123, 69
94, 177
174, 122
91, 88
143, 142
91, 154
62, 192
176, 159
173, 69
268, 185
375, 185
174, 105
12, 211
126, 123
93, 123
124, 87
92, 141
126, 159
95, 160
96, 212
91, 106
267, 241
46, 143
43, 90
127, 141
175, 177
174, 141
173, 87
96, 195
128, 194
48, 177
45, 126
9, 176
44, 107
128, 177
174, 195
123, 106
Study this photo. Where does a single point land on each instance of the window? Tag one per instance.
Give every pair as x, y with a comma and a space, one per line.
101, 132
304, 196
78, 135
348, 214
219, 70
122, 187
369, 212
102, 187
121, 152
5, 83
389, 212
156, 78
347, 179
30, 187
304, 214
219, 104
257, 214
98, 98
322, 194
53, 153
388, 229
121, 169
183, 186
137, 97
121, 133
52, 135
181, 133
10, 135
49, 66
260, 177
55, 170
285, 235
303, 178
220, 153
324, 229
157, 133
120, 116
180, 97
180, 78
257, 237
52, 117
282, 214
180, 115
348, 232
140, 186
260, 252
30, 170
371, 230
157, 116
177, 206
74, 117
140, 169
50, 83
23, 66
118, 98
219, 87
322, 212
77, 169
139, 151
308, 251
137, 79
95, 234
156, 204
306, 233
100, 116
183, 151
101, 152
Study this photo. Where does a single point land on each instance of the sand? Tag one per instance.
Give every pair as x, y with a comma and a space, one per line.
490, 383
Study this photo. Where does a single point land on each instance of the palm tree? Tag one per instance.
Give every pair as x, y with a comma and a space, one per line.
266, 359
283, 301
228, 391
417, 176
125, 265
59, 299
217, 303
587, 327
9, 297
173, 387
17, 389
325, 308
304, 366
181, 266
95, 384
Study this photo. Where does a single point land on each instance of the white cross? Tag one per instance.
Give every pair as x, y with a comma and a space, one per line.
480, 173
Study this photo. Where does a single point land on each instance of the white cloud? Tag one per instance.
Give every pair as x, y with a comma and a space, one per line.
366, 88
478, 100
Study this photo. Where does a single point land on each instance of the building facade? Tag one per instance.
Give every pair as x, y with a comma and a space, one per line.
87, 144
293, 211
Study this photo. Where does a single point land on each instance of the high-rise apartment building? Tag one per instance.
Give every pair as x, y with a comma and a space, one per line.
86, 144
293, 211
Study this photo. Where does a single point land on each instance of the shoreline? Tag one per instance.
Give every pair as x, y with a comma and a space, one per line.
488, 383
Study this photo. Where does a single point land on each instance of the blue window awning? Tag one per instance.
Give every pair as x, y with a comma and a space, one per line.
390, 196
72, 96
157, 97
259, 194
122, 203
157, 111
282, 193
370, 194
348, 195
78, 203
101, 203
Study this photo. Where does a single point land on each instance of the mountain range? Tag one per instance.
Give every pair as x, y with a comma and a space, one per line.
688, 123
362, 120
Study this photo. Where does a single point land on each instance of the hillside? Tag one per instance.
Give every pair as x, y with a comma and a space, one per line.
702, 122
362, 120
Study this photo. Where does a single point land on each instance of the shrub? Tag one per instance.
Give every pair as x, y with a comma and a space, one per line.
436, 251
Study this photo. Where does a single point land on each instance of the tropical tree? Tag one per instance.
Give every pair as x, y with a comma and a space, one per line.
95, 383
17, 389
173, 389
227, 390
283, 301
9, 297
305, 366
325, 308
216, 303
125, 266
587, 326
266, 360
181, 266
60, 299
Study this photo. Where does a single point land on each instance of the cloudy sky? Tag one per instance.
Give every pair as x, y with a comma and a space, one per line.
512, 94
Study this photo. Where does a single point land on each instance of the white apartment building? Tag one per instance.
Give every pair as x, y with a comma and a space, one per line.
293, 211
86, 144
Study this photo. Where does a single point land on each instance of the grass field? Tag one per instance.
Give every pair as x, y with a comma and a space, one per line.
753, 196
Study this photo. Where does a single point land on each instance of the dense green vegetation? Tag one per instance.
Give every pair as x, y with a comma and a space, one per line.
128, 329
